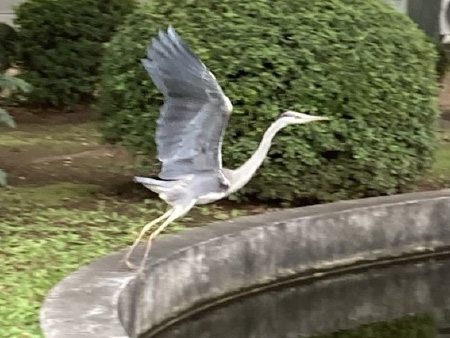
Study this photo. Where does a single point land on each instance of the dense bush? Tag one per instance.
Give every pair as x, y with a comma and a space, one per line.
8, 38
357, 61
62, 45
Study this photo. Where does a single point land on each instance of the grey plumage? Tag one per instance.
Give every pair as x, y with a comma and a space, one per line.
189, 133
187, 138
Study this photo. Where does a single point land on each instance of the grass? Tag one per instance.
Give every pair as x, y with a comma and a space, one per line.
439, 175
414, 326
441, 167
49, 231
48, 195
53, 136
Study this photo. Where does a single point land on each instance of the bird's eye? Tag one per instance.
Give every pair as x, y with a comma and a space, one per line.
286, 114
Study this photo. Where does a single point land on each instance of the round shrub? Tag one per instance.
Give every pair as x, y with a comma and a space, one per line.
61, 43
357, 61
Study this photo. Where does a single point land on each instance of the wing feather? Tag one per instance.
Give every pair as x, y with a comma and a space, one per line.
195, 112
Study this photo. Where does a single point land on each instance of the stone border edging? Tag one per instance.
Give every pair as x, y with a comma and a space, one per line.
104, 299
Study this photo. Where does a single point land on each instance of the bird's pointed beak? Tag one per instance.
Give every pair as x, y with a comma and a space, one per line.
305, 118
312, 118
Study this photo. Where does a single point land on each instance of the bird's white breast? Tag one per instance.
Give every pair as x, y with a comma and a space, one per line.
211, 197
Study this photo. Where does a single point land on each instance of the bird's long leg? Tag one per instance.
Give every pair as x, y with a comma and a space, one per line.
176, 212
146, 228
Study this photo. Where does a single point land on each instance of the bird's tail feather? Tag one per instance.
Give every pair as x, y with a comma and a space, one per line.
150, 181
153, 184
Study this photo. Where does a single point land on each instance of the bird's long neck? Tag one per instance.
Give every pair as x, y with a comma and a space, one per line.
244, 173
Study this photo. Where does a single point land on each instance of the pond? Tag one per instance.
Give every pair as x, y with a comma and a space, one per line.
408, 300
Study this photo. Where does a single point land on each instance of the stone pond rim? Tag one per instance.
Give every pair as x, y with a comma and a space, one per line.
189, 269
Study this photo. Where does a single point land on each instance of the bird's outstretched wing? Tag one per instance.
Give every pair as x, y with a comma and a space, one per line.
195, 112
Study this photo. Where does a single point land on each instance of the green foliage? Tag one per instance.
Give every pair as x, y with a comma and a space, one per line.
2, 178
6, 118
359, 62
69, 225
418, 326
61, 45
12, 84
8, 38
35, 232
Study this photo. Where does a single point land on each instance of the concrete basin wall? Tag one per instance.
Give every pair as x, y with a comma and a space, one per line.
197, 266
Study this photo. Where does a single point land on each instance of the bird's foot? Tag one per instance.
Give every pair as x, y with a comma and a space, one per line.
130, 265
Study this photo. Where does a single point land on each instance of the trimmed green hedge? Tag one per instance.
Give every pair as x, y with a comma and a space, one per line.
61, 44
358, 61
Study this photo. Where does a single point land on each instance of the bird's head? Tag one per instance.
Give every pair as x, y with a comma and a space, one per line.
292, 117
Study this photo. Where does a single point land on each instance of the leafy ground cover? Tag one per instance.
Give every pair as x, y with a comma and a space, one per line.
71, 200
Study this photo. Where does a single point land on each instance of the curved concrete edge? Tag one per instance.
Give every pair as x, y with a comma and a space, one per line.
85, 303
335, 303
104, 299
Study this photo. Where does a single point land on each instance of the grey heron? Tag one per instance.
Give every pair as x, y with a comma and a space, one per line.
189, 134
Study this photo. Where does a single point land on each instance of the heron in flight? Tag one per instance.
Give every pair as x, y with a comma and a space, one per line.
189, 134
